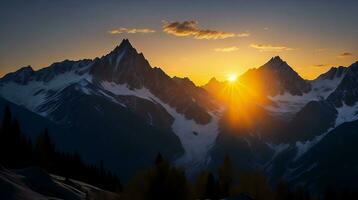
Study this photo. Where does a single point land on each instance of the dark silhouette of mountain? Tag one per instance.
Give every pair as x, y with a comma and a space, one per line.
214, 86
334, 72
275, 77
315, 118
347, 91
331, 162
125, 66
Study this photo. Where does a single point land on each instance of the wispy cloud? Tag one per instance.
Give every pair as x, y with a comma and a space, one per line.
266, 28
320, 65
190, 28
268, 47
227, 49
130, 30
345, 55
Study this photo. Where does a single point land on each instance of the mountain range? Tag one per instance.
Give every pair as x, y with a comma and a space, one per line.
119, 109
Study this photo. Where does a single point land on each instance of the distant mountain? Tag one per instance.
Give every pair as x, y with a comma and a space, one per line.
119, 109
275, 77
214, 86
346, 92
333, 73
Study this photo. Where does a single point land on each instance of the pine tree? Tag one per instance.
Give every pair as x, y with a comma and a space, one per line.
211, 187
5, 145
226, 177
282, 191
44, 150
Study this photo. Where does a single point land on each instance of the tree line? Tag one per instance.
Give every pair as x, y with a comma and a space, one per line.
18, 151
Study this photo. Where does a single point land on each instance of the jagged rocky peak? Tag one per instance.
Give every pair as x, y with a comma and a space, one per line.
185, 81
20, 76
277, 64
333, 73
122, 47
347, 90
213, 86
122, 65
276, 77
26, 69
213, 80
276, 59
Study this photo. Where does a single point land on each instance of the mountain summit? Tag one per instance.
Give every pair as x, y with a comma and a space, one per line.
275, 77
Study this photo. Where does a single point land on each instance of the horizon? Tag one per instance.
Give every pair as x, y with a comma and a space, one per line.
187, 41
228, 76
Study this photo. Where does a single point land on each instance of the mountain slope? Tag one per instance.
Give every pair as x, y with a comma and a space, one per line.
35, 184
275, 77
122, 106
347, 91
31, 123
331, 161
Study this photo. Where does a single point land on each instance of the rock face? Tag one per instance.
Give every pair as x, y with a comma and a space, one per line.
276, 77
347, 91
333, 73
124, 65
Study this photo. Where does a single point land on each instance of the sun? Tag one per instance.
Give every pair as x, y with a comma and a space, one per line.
232, 78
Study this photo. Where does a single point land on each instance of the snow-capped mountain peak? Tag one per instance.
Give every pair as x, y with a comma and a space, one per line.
20, 76
333, 73
276, 77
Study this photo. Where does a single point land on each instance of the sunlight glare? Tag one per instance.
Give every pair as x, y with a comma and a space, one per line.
232, 77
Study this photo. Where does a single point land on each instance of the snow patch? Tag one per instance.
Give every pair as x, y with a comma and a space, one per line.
196, 146
288, 104
122, 89
303, 147
34, 93
346, 114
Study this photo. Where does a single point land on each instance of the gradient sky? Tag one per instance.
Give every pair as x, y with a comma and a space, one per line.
311, 35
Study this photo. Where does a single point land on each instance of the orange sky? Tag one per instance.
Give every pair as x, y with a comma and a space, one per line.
199, 40
198, 59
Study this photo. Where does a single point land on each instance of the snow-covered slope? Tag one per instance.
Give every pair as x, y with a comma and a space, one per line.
33, 90
36, 184
287, 104
197, 139
125, 79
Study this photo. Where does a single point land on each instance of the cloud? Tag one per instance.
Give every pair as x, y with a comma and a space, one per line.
190, 28
131, 30
266, 28
227, 49
320, 65
268, 47
345, 54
